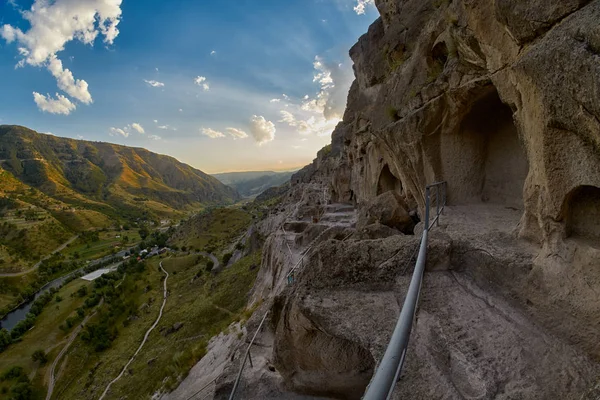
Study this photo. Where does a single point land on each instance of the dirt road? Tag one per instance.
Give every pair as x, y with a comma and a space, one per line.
36, 266
145, 336
74, 334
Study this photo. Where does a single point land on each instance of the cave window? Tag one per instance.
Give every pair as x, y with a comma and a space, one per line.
582, 212
387, 181
439, 53
484, 160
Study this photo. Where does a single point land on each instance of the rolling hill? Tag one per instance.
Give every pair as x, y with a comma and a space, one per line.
253, 183
75, 185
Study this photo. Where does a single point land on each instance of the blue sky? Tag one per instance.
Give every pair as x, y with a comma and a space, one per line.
222, 85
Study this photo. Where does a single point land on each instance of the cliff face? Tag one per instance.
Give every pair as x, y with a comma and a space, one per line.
500, 99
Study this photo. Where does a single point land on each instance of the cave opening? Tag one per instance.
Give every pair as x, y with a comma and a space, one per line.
484, 161
388, 181
582, 212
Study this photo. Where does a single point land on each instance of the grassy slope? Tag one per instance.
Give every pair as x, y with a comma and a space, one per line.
212, 230
192, 303
45, 335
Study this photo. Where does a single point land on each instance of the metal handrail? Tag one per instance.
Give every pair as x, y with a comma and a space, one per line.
388, 371
246, 356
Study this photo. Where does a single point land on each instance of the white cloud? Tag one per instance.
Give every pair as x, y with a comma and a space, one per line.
361, 6
79, 137
118, 131
319, 115
314, 124
212, 53
154, 83
65, 81
236, 133
181, 110
138, 127
285, 96
335, 80
156, 69
52, 24
261, 129
59, 105
154, 137
155, 121
211, 133
274, 100
55, 23
166, 127
201, 81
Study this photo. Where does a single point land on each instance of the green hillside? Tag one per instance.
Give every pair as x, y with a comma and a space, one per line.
65, 186
253, 183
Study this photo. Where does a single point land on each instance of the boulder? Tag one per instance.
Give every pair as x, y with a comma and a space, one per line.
387, 209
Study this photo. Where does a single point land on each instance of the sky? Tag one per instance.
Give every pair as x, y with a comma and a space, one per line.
223, 85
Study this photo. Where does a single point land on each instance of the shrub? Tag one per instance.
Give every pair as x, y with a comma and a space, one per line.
40, 356
209, 265
226, 258
392, 113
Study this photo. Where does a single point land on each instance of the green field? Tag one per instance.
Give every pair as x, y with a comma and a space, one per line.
108, 243
206, 306
212, 230
45, 335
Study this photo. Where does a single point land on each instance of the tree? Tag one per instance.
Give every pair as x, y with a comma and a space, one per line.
144, 232
209, 265
226, 258
40, 356
5, 339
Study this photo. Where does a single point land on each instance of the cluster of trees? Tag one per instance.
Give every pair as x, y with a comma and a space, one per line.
118, 302
21, 389
24, 325
89, 236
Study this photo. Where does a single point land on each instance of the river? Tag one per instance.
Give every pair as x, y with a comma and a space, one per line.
12, 318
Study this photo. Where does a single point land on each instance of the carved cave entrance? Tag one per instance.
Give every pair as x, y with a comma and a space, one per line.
484, 161
582, 211
387, 181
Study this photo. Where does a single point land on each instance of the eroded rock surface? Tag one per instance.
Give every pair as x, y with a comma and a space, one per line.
500, 99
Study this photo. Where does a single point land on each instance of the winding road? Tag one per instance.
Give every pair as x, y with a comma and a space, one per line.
214, 259
36, 266
145, 336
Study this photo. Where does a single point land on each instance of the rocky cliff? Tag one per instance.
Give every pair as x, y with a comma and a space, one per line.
500, 99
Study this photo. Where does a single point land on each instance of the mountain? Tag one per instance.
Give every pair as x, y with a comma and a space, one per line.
116, 181
253, 183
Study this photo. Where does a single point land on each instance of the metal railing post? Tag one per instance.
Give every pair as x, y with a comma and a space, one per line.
427, 207
239, 376
437, 204
389, 368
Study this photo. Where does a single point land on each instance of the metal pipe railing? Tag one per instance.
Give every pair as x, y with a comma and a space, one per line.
246, 355
388, 371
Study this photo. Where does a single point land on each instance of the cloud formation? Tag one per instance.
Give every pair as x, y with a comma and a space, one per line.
211, 133
262, 130
59, 105
67, 83
118, 131
137, 127
154, 83
361, 6
201, 81
236, 133
320, 114
334, 80
52, 25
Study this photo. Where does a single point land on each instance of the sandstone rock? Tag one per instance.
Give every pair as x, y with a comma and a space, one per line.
388, 209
